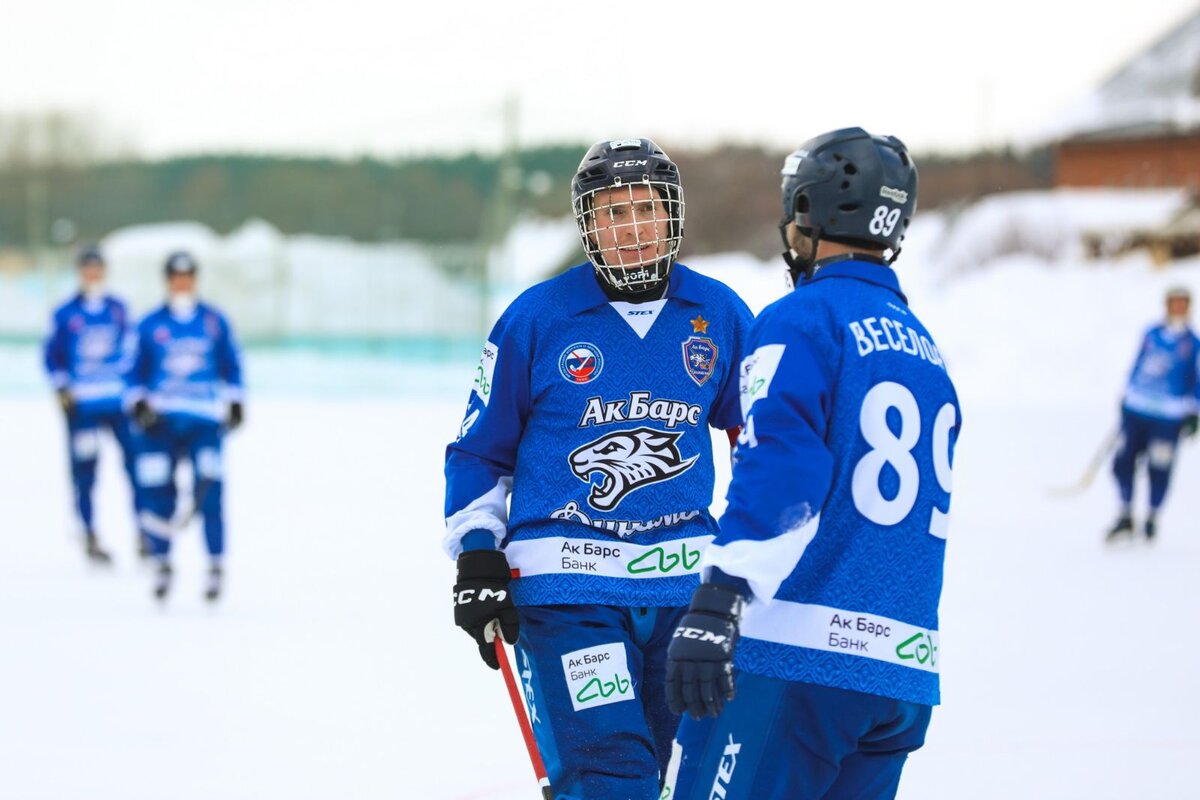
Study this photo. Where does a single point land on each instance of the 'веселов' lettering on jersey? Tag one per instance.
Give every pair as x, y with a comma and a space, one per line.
878, 334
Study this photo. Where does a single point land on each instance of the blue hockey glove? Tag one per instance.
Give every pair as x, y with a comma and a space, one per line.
482, 595
700, 658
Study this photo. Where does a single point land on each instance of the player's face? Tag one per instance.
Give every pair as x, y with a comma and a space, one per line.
630, 224
91, 273
1178, 307
181, 283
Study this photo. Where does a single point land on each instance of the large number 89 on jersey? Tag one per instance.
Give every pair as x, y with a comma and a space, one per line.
899, 451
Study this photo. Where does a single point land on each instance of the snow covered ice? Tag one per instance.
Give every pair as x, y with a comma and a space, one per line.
332, 668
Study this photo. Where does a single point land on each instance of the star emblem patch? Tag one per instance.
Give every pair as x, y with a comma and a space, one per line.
699, 324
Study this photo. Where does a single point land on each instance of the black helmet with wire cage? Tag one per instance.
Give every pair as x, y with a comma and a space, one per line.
628, 204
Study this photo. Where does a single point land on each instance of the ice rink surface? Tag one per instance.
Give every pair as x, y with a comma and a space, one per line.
332, 669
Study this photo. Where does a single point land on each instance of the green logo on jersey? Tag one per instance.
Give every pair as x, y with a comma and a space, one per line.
659, 560
596, 689
919, 646
481, 381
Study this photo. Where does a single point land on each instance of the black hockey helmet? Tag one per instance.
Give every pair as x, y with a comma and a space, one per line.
89, 254
629, 164
180, 263
850, 187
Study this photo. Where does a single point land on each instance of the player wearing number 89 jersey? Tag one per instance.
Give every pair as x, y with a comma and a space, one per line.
834, 536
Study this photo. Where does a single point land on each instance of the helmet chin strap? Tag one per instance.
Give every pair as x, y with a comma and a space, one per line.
627, 295
799, 266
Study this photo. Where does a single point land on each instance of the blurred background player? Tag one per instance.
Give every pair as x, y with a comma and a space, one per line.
592, 404
185, 390
835, 532
1160, 403
86, 356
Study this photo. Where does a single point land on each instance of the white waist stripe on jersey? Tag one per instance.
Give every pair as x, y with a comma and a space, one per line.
614, 558
84, 391
837, 630
1154, 405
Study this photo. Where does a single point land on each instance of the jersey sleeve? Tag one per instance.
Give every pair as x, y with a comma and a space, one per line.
229, 362
783, 468
137, 378
126, 337
1196, 375
1143, 347
480, 463
54, 352
727, 410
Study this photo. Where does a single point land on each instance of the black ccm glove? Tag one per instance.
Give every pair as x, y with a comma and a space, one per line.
144, 415
480, 596
700, 658
236, 416
1190, 423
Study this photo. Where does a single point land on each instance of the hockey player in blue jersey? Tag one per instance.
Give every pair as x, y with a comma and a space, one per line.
185, 392
1160, 404
591, 406
86, 355
821, 589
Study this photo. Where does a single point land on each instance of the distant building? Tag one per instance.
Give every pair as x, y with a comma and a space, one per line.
1141, 127
1166, 159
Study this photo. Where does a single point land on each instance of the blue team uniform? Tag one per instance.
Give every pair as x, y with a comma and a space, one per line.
596, 416
837, 519
1163, 390
87, 353
188, 369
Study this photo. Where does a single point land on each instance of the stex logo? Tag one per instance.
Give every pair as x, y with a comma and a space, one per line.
659, 560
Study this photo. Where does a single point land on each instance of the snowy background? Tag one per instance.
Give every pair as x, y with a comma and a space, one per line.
332, 668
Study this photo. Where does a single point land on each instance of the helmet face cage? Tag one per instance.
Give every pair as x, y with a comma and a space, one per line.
631, 232
851, 187
629, 208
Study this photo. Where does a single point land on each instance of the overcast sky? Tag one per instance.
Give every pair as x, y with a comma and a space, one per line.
391, 78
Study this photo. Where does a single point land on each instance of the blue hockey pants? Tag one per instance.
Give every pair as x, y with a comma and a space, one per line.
783, 740
1156, 440
83, 443
159, 452
594, 683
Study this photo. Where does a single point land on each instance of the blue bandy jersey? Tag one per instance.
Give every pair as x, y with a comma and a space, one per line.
89, 349
839, 502
190, 366
596, 416
1163, 383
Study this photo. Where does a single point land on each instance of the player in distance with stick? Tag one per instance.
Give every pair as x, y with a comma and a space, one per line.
185, 392
1159, 405
86, 356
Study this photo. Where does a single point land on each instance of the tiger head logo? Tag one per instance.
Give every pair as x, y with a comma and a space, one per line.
628, 460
